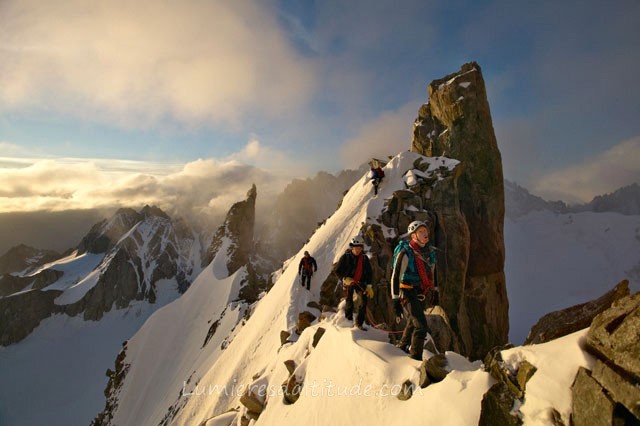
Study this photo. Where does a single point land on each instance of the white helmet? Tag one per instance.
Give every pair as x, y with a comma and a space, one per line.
356, 241
413, 226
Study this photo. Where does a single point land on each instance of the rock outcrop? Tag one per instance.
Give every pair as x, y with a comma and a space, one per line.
236, 234
25, 258
105, 234
462, 200
610, 392
457, 122
569, 320
20, 314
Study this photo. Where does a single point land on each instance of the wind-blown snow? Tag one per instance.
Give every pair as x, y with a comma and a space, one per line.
74, 267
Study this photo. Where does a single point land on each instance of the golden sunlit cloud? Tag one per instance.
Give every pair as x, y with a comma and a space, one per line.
201, 187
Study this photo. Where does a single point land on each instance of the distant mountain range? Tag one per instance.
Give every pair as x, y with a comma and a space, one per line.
519, 201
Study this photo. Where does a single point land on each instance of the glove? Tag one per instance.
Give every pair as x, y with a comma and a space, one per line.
369, 291
397, 307
347, 281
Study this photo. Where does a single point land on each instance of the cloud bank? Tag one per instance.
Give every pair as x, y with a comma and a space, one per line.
145, 62
201, 188
605, 173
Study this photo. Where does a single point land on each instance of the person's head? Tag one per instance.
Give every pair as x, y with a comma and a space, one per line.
306, 254
419, 232
357, 245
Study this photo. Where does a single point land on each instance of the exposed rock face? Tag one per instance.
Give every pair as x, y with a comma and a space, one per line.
20, 314
154, 250
238, 229
464, 206
497, 405
613, 335
23, 257
22, 260
610, 393
567, 321
104, 235
457, 121
235, 236
10, 284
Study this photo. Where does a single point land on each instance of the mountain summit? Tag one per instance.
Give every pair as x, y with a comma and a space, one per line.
120, 260
457, 122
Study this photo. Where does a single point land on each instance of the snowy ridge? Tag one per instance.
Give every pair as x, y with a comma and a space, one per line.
360, 363
259, 340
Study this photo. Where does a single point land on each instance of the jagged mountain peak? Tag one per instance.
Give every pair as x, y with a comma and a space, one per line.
235, 235
105, 234
22, 258
121, 260
625, 200
519, 201
153, 211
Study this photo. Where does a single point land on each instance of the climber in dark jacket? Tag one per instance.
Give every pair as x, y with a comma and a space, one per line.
354, 269
306, 268
412, 283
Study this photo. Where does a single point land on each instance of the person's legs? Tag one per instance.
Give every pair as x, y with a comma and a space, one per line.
405, 340
348, 309
362, 309
419, 322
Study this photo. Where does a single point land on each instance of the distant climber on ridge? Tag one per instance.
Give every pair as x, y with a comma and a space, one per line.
306, 268
412, 284
377, 174
354, 269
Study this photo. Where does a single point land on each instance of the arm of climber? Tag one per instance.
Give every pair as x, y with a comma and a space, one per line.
399, 266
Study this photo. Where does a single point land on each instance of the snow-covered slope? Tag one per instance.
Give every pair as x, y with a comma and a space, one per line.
56, 376
349, 377
256, 344
554, 261
60, 367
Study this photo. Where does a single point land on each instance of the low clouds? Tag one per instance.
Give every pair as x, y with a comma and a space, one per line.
612, 169
141, 63
201, 188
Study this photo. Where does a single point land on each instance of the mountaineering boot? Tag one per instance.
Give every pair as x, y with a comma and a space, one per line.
417, 357
417, 345
404, 347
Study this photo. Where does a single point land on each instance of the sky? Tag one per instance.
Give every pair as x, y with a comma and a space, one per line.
119, 103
